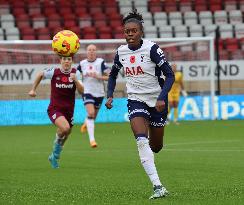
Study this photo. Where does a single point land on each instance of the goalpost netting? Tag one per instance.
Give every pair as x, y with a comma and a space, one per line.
21, 60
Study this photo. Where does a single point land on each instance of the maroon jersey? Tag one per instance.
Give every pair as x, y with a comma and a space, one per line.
62, 89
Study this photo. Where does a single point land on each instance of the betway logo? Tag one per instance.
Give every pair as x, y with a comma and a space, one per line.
64, 85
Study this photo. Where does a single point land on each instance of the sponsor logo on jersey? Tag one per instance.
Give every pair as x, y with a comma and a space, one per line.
134, 71
61, 85
54, 116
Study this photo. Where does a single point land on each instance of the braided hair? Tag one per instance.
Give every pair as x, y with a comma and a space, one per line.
135, 17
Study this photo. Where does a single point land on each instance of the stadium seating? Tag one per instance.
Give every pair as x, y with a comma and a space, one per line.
166, 32
205, 17
230, 5
185, 6
150, 32
12, 33
220, 17
1, 34
160, 19
181, 31
33, 20
196, 30
175, 18
239, 30
210, 30
235, 17
190, 18
226, 31
231, 44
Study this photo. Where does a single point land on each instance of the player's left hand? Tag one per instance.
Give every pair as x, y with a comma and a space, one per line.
108, 104
73, 77
160, 105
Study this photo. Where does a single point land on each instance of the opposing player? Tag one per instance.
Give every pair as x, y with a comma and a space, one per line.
174, 94
64, 82
143, 63
94, 72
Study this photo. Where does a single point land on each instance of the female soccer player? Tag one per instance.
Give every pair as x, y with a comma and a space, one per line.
64, 82
174, 94
94, 72
143, 63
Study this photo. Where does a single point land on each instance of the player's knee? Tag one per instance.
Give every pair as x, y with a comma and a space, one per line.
65, 130
91, 115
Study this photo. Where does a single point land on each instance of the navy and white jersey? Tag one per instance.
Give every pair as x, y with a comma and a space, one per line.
92, 85
142, 71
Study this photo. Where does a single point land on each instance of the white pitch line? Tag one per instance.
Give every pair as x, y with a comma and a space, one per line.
201, 142
204, 150
166, 148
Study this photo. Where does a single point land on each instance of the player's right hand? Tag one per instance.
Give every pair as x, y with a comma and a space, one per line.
32, 93
160, 105
108, 104
184, 93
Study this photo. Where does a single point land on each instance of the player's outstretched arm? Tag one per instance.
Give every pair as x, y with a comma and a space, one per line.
32, 92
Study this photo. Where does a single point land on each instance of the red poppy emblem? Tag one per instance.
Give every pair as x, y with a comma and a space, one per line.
64, 79
90, 67
132, 59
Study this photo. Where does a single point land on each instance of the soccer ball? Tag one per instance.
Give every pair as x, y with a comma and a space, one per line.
65, 43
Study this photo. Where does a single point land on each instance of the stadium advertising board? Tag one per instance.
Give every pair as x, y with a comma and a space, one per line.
193, 71
200, 70
33, 112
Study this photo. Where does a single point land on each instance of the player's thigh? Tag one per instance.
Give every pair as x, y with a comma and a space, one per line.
139, 125
138, 116
97, 105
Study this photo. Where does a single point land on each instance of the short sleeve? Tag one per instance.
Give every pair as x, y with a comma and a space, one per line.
117, 63
104, 67
157, 55
78, 75
48, 73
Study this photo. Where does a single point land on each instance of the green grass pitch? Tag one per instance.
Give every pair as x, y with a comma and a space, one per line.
202, 163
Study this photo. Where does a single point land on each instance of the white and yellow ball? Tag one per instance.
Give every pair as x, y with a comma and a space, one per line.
65, 43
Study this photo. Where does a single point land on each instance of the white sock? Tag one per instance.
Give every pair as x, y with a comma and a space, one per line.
147, 160
90, 129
